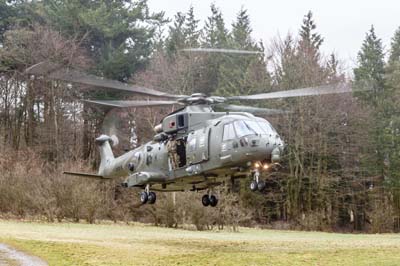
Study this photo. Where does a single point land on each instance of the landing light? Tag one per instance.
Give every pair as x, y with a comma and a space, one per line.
265, 166
257, 165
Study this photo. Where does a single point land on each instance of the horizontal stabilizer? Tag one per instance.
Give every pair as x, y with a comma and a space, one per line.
84, 175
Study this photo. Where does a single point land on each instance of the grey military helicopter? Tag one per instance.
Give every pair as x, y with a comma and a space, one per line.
194, 148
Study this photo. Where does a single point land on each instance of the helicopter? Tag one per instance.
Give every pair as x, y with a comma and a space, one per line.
195, 147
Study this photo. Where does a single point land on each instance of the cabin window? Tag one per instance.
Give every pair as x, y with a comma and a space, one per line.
229, 132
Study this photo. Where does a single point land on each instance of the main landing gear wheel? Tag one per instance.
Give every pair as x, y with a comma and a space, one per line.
213, 201
208, 200
152, 197
148, 196
144, 197
205, 200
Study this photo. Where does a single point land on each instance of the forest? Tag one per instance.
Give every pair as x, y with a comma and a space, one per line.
340, 170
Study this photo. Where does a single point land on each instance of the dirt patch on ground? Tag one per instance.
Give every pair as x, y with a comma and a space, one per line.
12, 257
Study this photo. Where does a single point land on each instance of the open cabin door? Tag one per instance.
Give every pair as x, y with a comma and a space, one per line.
197, 147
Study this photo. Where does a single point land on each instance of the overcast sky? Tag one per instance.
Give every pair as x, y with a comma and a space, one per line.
342, 23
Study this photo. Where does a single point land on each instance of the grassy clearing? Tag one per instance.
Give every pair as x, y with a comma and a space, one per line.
82, 244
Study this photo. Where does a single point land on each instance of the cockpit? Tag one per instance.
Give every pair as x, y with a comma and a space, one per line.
255, 138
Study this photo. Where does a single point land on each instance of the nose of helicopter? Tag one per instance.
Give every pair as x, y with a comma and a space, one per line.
269, 147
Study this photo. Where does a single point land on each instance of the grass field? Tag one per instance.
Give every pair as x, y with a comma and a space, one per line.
83, 244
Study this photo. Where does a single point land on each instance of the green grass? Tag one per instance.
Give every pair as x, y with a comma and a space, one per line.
106, 244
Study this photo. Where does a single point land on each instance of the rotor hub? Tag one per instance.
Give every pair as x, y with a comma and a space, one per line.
201, 98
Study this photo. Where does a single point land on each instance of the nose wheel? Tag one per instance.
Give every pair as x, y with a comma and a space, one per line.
148, 196
253, 185
257, 184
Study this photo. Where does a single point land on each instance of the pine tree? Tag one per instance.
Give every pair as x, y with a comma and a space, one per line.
395, 47
243, 74
6, 12
300, 61
215, 33
310, 41
308, 53
287, 74
18, 13
392, 127
393, 66
176, 37
191, 31
369, 75
117, 34
184, 32
370, 71
241, 31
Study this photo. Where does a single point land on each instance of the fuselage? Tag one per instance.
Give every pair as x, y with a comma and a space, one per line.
211, 150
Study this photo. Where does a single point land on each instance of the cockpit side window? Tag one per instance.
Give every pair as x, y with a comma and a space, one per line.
255, 127
243, 129
229, 132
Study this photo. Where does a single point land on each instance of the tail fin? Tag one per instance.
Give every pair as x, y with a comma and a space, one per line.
106, 154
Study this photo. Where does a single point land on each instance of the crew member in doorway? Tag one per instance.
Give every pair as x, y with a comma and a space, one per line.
172, 152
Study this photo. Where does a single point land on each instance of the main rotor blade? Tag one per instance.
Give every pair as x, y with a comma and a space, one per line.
218, 50
127, 104
321, 90
58, 72
250, 109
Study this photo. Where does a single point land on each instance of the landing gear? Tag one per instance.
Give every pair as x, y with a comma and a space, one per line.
152, 197
253, 185
209, 200
213, 201
257, 184
148, 196
261, 185
144, 197
205, 200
